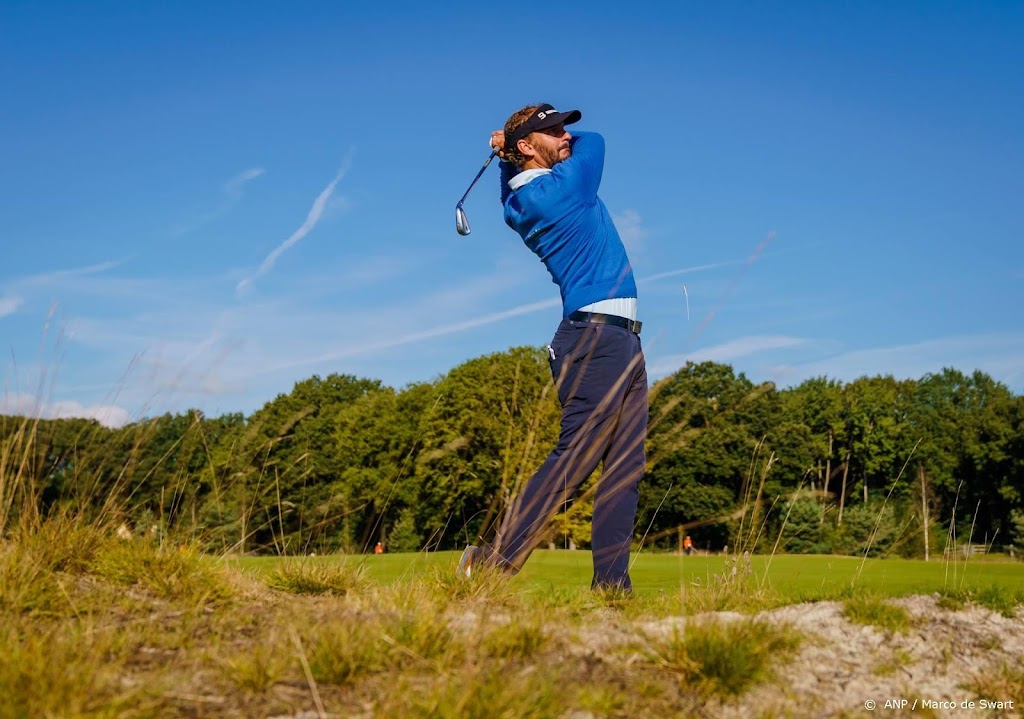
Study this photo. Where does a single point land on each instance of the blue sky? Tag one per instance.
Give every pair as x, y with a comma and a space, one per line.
202, 205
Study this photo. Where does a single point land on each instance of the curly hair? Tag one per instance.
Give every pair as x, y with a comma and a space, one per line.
512, 154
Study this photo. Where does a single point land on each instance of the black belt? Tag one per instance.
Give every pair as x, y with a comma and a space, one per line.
603, 319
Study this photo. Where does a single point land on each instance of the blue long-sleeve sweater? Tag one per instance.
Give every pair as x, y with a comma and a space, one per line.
563, 221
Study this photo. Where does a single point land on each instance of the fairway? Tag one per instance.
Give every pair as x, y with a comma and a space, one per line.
794, 577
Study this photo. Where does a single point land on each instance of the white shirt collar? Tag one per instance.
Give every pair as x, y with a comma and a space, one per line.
526, 176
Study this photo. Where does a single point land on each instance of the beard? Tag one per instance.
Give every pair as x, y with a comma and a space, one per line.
552, 156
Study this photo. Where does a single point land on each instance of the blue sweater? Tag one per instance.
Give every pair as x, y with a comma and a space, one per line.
563, 221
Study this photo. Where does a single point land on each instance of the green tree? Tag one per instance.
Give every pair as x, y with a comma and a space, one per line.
494, 421
706, 427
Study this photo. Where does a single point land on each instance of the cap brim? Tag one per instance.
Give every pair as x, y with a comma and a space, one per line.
564, 118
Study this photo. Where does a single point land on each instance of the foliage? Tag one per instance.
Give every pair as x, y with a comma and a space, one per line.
341, 463
802, 529
1017, 528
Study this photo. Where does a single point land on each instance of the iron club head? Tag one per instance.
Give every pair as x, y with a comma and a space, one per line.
461, 221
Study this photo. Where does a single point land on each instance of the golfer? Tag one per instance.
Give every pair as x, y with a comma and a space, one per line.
549, 183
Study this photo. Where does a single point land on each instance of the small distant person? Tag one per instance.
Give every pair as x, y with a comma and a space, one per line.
379, 549
688, 545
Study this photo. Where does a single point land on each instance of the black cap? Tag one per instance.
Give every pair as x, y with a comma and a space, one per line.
542, 118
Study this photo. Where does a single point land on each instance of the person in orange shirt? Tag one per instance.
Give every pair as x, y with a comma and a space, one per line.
688, 545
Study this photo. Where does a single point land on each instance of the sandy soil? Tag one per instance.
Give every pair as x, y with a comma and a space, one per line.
929, 671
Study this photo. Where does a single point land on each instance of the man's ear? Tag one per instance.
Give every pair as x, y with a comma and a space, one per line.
525, 148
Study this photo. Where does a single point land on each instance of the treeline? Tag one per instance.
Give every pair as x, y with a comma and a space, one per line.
877, 465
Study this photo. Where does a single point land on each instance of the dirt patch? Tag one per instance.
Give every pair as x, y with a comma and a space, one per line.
934, 666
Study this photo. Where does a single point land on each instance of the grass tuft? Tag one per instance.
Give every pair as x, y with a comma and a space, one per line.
65, 671
1002, 599
724, 658
419, 637
260, 667
315, 577
497, 692
345, 650
1005, 684
877, 613
515, 640
178, 574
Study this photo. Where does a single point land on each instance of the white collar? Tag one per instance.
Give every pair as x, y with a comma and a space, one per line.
526, 176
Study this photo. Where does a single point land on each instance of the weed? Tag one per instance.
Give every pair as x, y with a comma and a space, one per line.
493, 693
485, 583
25, 583
66, 671
1002, 599
724, 658
601, 700
307, 576
1005, 685
62, 542
179, 574
877, 613
896, 661
950, 602
417, 637
345, 650
259, 667
515, 640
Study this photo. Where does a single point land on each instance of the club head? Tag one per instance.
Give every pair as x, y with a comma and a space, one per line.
461, 221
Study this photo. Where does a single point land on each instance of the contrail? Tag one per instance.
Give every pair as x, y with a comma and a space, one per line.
438, 331
315, 213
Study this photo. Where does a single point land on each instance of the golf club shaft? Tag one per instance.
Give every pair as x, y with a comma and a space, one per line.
477, 178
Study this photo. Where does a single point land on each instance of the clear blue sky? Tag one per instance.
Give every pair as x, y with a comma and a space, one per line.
202, 205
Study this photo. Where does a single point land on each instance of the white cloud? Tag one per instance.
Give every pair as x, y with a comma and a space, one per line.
24, 405
59, 277
997, 354
232, 191
373, 346
688, 270
233, 187
312, 218
9, 305
727, 352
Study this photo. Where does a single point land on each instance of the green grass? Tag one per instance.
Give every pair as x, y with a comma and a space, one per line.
877, 613
724, 658
781, 579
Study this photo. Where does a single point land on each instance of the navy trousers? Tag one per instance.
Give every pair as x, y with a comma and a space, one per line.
601, 378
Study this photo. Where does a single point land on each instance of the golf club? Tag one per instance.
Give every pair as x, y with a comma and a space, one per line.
461, 221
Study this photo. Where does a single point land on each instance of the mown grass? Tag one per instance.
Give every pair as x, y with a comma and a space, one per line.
773, 581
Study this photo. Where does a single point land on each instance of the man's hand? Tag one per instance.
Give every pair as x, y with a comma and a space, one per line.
498, 143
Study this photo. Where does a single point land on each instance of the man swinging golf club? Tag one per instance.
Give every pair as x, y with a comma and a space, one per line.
549, 183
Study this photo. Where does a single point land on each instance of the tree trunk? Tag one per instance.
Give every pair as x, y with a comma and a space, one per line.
842, 491
924, 509
828, 463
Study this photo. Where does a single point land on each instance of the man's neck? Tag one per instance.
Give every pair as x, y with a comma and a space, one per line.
534, 165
